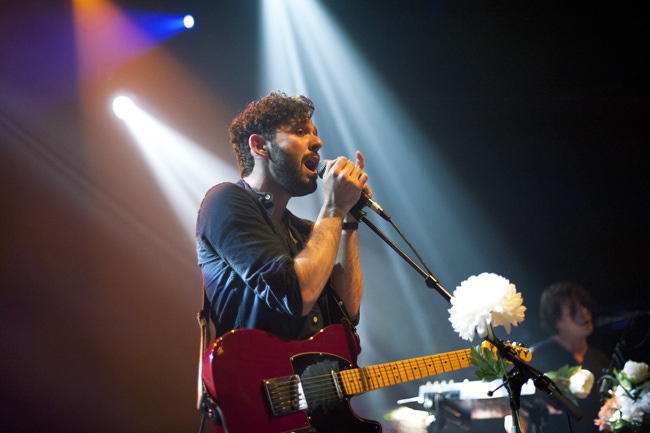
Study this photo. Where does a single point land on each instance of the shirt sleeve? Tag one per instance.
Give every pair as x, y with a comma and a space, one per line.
238, 232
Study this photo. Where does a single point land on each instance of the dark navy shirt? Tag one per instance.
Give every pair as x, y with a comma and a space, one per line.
247, 264
549, 355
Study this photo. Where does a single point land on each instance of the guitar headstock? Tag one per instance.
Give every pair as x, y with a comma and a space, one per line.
517, 349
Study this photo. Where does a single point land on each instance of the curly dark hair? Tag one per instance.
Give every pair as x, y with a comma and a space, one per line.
556, 295
264, 117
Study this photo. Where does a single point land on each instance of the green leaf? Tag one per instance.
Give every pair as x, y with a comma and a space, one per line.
490, 367
561, 378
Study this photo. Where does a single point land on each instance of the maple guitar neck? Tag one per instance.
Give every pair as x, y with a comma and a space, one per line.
359, 380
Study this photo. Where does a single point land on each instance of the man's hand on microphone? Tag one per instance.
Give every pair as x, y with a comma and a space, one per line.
361, 164
343, 181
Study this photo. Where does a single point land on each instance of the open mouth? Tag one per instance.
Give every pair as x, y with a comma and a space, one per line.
312, 163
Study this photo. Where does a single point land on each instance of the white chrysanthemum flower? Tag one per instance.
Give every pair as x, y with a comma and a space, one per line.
483, 302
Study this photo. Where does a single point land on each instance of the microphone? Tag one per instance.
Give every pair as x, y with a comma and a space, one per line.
364, 200
631, 315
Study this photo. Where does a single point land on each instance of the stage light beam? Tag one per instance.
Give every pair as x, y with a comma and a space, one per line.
182, 168
305, 51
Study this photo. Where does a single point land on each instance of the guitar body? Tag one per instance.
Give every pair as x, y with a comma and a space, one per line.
238, 366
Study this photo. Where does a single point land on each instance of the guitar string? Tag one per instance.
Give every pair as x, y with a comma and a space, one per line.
321, 387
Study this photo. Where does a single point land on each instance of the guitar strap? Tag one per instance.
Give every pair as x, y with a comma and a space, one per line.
205, 404
343, 316
203, 316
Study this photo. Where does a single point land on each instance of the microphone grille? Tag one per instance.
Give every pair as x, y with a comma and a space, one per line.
320, 169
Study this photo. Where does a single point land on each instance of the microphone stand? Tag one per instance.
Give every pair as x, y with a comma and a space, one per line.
429, 279
616, 361
519, 374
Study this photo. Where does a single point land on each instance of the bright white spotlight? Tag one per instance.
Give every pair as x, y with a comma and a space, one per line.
183, 169
188, 21
123, 107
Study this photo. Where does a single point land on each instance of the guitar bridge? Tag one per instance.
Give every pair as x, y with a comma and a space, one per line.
285, 395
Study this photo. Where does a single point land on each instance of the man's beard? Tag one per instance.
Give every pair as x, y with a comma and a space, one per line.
288, 171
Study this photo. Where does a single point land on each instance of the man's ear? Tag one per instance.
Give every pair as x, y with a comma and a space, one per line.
258, 145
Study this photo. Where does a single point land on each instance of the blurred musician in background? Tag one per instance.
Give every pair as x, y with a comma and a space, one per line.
566, 313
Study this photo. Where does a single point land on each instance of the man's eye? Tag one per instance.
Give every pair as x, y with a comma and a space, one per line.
300, 132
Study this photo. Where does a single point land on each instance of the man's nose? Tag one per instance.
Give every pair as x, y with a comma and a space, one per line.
315, 143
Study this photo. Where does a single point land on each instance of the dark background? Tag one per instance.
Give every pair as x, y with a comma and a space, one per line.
539, 109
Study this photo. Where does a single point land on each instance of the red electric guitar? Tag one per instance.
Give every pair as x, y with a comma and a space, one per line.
262, 383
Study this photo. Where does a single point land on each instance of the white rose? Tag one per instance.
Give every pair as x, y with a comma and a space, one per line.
637, 372
580, 383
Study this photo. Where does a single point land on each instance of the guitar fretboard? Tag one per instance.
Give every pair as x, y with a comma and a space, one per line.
359, 380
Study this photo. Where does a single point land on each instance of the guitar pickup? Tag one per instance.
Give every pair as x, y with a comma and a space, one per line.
285, 395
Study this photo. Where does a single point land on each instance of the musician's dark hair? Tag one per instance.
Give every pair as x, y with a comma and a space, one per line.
555, 296
264, 117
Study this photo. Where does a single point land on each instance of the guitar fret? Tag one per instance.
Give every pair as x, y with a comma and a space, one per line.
359, 380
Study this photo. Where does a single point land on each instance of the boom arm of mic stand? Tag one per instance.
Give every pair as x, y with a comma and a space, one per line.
431, 281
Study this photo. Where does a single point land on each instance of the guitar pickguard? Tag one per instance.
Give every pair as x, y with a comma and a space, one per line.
327, 405
322, 369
